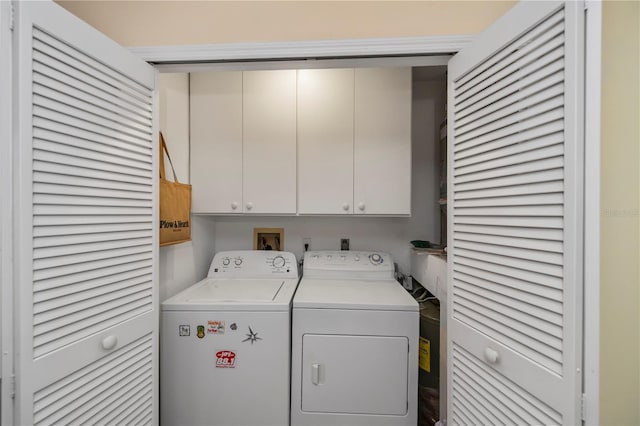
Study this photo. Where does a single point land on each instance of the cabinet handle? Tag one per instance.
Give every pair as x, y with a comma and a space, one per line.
315, 374
345, 207
234, 205
490, 355
249, 205
109, 342
361, 206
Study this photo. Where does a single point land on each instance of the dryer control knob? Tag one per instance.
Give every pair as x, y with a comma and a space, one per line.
226, 261
376, 259
238, 261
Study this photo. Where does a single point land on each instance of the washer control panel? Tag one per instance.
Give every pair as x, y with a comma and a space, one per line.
254, 264
348, 264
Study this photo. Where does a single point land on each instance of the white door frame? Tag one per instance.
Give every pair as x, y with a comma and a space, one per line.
6, 212
591, 311
177, 59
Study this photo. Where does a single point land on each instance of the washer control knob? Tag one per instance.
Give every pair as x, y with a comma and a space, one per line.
376, 259
278, 261
226, 261
238, 261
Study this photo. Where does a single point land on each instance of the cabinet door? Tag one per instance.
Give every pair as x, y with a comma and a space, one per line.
325, 141
216, 142
86, 238
269, 141
382, 146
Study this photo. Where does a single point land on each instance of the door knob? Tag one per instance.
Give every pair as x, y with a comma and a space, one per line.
249, 205
490, 355
109, 342
361, 206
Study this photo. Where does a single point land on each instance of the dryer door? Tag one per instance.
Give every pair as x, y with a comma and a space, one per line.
354, 374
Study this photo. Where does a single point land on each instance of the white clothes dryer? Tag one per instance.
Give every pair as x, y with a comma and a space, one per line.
355, 337
225, 343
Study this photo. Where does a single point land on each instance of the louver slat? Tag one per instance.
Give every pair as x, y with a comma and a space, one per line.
506, 56
508, 219
92, 196
84, 396
515, 404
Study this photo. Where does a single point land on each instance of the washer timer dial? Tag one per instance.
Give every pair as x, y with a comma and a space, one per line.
375, 258
278, 262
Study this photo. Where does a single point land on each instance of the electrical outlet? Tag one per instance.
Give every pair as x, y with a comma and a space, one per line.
306, 243
344, 244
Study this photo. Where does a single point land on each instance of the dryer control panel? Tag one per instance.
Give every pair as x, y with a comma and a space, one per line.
348, 264
253, 264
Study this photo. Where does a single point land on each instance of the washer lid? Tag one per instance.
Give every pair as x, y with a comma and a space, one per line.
386, 295
237, 294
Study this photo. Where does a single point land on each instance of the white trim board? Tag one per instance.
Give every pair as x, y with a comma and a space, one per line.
377, 62
7, 116
591, 325
369, 47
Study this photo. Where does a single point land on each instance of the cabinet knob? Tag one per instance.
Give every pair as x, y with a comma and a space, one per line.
234, 205
345, 207
361, 206
109, 342
249, 205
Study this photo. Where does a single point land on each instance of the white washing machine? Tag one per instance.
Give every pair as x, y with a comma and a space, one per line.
354, 343
225, 343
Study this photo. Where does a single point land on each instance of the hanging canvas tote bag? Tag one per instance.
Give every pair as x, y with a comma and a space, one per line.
175, 205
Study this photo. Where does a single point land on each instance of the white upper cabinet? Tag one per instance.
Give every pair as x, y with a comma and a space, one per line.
325, 141
382, 143
269, 141
216, 142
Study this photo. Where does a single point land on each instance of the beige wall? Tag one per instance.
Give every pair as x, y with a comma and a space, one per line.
620, 258
142, 23
172, 22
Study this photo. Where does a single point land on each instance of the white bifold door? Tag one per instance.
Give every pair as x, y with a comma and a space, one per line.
515, 206
85, 197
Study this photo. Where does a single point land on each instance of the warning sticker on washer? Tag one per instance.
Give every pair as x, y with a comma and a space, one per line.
425, 354
215, 327
225, 359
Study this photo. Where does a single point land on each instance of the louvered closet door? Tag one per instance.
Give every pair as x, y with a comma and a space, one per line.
515, 214
86, 235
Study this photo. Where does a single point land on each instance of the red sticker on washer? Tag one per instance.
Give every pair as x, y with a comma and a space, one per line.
225, 359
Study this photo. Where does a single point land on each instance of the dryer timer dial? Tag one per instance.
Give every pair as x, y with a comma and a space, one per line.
279, 262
